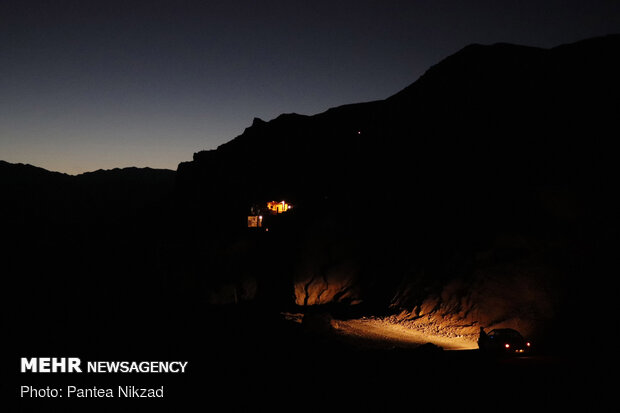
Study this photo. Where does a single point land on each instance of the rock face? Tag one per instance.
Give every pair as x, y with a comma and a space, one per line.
481, 195
510, 285
328, 269
335, 286
399, 201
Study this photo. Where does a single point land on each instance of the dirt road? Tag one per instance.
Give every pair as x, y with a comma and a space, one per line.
383, 334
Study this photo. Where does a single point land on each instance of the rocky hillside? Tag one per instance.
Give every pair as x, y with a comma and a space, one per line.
482, 194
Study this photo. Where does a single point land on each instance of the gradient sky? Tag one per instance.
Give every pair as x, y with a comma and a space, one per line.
88, 85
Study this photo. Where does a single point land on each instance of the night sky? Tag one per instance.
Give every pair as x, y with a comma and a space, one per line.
86, 85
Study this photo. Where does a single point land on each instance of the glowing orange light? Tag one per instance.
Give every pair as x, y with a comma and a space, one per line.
507, 345
278, 207
528, 344
388, 333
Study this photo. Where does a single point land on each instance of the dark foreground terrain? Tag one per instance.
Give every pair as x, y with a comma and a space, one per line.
245, 359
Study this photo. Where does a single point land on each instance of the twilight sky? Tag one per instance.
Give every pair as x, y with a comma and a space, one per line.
88, 85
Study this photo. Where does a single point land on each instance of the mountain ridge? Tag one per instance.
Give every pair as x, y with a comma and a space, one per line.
494, 150
481, 88
22, 165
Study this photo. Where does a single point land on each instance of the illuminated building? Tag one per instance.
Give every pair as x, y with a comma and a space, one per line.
256, 218
255, 221
278, 207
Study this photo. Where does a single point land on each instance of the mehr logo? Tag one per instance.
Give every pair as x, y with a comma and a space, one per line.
51, 365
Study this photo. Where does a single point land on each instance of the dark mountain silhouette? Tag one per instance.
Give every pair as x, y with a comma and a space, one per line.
482, 194
68, 237
502, 151
487, 121
31, 194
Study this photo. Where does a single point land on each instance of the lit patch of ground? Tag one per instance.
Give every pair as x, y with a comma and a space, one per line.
384, 333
